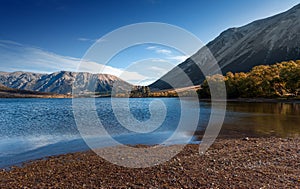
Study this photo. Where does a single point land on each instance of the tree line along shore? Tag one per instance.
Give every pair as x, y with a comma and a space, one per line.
280, 80
263, 81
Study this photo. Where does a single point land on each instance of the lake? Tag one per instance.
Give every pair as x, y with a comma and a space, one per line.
35, 128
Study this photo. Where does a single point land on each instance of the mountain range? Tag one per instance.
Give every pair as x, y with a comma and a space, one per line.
6, 92
266, 41
61, 82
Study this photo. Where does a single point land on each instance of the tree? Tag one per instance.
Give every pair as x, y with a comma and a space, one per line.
280, 79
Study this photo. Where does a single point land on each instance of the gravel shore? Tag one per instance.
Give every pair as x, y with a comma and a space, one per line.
229, 163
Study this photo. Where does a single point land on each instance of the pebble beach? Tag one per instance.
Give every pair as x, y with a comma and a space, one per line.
229, 163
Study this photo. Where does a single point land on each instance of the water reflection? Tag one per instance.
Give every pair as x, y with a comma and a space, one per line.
263, 119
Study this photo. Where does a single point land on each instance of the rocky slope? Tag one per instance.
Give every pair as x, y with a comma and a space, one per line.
265, 41
6, 92
61, 82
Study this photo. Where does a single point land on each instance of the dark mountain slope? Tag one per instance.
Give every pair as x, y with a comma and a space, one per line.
265, 41
6, 92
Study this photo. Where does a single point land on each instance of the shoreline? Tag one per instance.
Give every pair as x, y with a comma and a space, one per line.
235, 162
257, 100
37, 96
246, 100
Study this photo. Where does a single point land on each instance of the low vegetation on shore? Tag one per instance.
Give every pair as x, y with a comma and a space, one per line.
264, 81
144, 91
268, 81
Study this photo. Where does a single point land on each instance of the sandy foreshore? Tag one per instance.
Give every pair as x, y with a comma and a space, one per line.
229, 163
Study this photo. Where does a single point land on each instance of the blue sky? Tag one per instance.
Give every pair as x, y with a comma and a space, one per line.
65, 29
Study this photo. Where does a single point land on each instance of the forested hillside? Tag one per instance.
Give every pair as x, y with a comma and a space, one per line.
278, 80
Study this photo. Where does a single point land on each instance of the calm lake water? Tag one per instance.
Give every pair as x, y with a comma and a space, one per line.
35, 128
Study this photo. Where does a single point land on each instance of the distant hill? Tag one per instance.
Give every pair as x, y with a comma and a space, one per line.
61, 82
6, 92
267, 41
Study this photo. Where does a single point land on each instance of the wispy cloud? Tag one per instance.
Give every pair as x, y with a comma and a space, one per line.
170, 55
83, 39
164, 51
159, 69
151, 47
17, 57
178, 58
151, 69
159, 50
